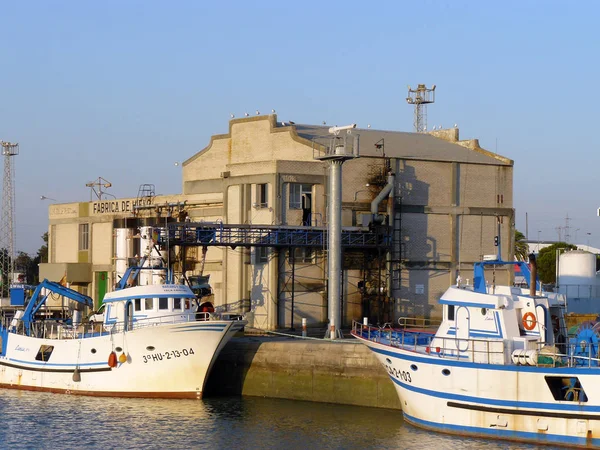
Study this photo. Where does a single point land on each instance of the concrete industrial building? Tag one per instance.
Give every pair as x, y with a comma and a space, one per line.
449, 197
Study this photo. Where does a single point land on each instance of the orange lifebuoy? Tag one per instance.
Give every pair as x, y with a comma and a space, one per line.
529, 322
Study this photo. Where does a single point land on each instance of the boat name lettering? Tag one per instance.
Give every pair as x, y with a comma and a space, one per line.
171, 354
116, 206
18, 348
400, 374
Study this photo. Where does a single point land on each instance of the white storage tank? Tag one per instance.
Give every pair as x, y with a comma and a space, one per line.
577, 274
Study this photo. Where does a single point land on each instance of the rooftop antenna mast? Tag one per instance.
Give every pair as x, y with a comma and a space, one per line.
96, 187
420, 97
7, 228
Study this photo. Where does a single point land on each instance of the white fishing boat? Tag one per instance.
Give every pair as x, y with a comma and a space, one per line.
499, 365
153, 342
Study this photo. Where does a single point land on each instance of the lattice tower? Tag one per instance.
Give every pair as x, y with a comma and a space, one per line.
7, 228
420, 97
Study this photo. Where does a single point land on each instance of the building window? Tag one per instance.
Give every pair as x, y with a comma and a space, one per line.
262, 195
261, 255
297, 192
84, 236
295, 196
303, 255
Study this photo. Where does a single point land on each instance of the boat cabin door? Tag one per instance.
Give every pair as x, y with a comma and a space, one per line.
128, 315
463, 322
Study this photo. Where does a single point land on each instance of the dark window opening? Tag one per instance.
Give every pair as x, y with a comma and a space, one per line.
450, 312
566, 389
44, 353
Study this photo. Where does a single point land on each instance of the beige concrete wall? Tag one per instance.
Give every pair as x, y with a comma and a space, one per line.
426, 237
66, 243
310, 285
102, 243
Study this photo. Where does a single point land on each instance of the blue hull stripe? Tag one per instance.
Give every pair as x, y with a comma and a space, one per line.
514, 404
504, 433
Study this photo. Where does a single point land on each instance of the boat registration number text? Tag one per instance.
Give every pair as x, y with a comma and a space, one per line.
400, 374
168, 355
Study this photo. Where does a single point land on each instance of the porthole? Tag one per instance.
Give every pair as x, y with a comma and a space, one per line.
483, 311
93, 350
388, 360
413, 367
119, 349
150, 348
446, 372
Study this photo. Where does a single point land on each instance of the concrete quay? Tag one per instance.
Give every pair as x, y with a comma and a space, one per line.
343, 372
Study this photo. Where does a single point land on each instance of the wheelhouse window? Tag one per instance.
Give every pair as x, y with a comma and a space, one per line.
138, 304
148, 304
177, 304
84, 236
163, 303
450, 312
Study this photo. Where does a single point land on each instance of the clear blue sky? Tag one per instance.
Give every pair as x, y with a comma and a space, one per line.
123, 89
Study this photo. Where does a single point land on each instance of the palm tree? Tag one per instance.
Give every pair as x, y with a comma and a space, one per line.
521, 247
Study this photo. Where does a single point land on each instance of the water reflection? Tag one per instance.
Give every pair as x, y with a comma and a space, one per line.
40, 420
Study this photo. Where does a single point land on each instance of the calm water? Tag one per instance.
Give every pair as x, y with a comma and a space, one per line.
39, 420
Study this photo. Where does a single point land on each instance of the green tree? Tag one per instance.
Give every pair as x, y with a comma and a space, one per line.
42, 253
521, 247
26, 265
546, 261
33, 277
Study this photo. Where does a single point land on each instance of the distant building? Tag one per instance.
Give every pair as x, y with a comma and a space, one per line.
449, 197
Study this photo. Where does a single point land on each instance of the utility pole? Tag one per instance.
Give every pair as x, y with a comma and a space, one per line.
7, 228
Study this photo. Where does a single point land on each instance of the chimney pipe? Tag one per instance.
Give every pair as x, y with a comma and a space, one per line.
533, 276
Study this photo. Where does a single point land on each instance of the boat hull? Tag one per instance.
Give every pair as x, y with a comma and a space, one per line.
163, 361
492, 401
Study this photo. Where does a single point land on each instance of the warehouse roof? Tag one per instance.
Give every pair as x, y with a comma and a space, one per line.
418, 146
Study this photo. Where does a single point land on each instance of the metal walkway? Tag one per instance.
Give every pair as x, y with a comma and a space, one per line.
219, 234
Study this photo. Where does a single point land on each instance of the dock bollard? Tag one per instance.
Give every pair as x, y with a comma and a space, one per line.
303, 327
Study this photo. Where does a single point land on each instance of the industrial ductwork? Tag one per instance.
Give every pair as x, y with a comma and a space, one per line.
387, 190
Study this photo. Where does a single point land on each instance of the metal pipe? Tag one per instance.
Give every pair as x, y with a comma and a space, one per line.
383, 194
334, 247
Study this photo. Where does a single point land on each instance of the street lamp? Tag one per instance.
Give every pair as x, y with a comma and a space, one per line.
538, 242
43, 197
588, 241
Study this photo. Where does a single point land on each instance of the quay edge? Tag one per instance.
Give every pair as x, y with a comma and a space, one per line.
342, 372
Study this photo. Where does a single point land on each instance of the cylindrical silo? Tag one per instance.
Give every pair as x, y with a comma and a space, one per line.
577, 274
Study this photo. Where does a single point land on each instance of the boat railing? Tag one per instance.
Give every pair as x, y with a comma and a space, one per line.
55, 329
485, 351
419, 322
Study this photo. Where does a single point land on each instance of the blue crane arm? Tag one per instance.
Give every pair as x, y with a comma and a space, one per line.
37, 300
479, 275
